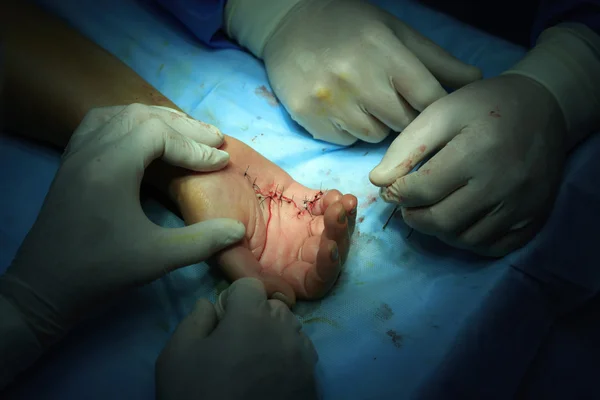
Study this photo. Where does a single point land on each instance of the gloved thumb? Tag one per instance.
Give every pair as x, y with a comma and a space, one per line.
447, 69
173, 248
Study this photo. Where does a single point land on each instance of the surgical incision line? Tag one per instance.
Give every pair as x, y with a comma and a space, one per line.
276, 195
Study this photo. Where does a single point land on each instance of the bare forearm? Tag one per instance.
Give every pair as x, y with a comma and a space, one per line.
54, 75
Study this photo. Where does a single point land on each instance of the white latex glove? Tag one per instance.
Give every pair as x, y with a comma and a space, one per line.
92, 239
255, 351
502, 143
345, 70
494, 179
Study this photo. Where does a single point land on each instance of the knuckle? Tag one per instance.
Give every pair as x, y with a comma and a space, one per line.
322, 93
298, 106
342, 67
153, 125
373, 33
136, 108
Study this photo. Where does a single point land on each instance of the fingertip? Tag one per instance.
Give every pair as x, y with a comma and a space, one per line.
381, 176
208, 159
331, 197
226, 230
350, 203
278, 289
203, 308
240, 294
477, 73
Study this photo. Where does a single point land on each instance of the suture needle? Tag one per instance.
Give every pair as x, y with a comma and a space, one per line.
390, 217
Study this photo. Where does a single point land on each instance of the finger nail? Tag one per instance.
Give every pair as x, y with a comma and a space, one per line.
335, 255
353, 212
281, 297
342, 217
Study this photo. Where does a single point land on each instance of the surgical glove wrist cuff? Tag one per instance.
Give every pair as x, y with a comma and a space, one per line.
19, 346
39, 315
566, 61
252, 22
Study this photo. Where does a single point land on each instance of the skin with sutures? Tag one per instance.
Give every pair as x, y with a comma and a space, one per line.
292, 230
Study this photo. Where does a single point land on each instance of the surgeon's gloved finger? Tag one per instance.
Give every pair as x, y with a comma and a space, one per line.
156, 139
172, 248
410, 77
510, 242
493, 227
451, 216
437, 179
449, 70
197, 325
239, 262
362, 125
390, 108
503, 244
196, 130
326, 130
311, 352
430, 131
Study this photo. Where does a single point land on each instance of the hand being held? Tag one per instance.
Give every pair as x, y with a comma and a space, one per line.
348, 71
297, 239
492, 184
92, 238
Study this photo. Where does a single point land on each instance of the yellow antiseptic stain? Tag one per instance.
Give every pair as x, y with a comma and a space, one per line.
324, 94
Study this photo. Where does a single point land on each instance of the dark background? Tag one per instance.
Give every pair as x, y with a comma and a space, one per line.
509, 19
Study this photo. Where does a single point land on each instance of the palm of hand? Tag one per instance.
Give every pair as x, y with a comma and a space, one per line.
292, 231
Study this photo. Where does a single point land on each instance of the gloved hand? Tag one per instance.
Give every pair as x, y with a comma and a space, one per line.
92, 239
345, 69
255, 351
494, 179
